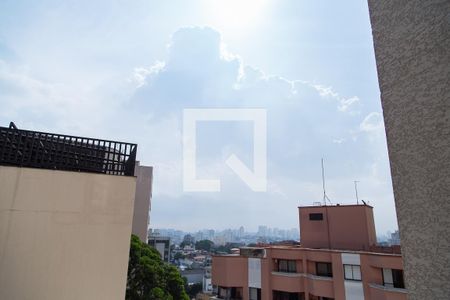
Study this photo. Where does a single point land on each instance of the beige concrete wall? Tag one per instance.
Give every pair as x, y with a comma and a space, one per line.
412, 42
64, 235
142, 202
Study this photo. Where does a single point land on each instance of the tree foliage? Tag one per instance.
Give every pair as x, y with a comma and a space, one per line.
193, 289
150, 278
227, 247
204, 245
179, 255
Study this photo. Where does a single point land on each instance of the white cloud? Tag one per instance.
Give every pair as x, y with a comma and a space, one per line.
344, 104
372, 122
304, 125
305, 122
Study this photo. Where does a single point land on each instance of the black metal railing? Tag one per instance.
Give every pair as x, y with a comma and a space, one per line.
25, 148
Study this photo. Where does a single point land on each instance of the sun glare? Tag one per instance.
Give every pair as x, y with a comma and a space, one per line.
238, 16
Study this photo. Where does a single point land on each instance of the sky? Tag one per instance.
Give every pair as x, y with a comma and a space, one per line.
126, 70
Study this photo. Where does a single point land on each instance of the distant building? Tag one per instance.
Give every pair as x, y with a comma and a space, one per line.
338, 258
395, 238
160, 243
193, 276
262, 230
241, 232
142, 201
189, 239
207, 284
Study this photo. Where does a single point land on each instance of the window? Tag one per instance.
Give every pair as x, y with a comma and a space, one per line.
324, 269
352, 272
287, 266
316, 217
279, 295
229, 293
255, 294
393, 278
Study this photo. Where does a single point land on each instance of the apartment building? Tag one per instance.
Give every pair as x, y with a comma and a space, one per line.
337, 258
142, 200
162, 244
66, 215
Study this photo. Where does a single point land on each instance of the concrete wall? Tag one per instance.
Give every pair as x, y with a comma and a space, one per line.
412, 42
230, 271
349, 227
142, 202
64, 235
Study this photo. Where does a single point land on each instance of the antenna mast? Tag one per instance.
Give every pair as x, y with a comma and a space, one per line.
325, 197
356, 191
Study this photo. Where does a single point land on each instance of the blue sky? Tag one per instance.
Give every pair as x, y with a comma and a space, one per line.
125, 70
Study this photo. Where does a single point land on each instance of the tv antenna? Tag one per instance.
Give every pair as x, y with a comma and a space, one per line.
325, 197
356, 191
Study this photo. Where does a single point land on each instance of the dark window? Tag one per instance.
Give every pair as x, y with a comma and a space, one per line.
279, 295
324, 269
393, 278
289, 266
316, 217
229, 293
352, 272
255, 294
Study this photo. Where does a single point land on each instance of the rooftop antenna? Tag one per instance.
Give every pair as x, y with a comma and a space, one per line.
356, 191
325, 197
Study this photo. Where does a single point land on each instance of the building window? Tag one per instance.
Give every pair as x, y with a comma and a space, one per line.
352, 272
230, 293
316, 217
286, 266
279, 295
255, 294
393, 278
324, 269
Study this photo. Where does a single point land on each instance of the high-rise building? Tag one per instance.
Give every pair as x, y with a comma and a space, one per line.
262, 230
241, 232
66, 213
142, 201
337, 258
161, 244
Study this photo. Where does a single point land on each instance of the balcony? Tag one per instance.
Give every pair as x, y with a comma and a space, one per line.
320, 285
378, 291
288, 282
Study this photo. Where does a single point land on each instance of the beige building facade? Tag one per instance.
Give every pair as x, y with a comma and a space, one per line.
66, 215
142, 201
64, 235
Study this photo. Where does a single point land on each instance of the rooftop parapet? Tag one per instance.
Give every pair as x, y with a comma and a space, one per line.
34, 149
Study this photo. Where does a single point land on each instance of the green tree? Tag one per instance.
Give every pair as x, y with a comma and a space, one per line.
193, 289
150, 278
179, 255
204, 245
227, 247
